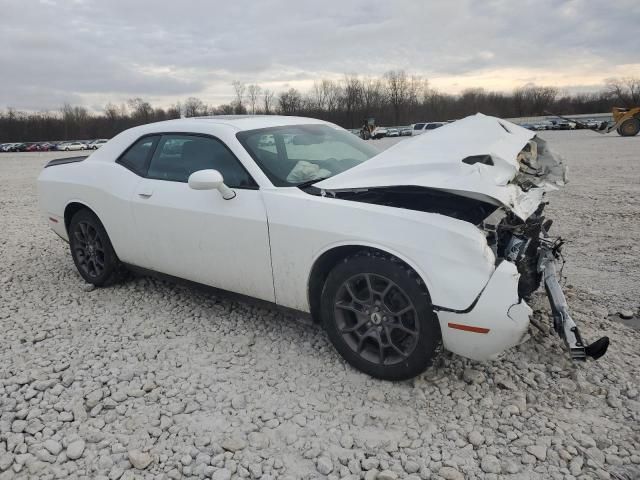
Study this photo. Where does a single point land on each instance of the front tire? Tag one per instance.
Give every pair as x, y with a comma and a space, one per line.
379, 317
92, 251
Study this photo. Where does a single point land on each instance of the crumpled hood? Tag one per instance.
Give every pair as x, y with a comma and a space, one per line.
523, 167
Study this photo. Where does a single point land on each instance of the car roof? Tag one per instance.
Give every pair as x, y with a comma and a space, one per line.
236, 122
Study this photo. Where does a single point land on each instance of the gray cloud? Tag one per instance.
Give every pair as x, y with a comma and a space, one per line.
89, 51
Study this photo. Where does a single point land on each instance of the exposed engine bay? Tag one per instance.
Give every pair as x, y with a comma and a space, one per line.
518, 241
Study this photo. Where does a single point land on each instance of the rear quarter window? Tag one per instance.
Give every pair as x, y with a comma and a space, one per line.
136, 157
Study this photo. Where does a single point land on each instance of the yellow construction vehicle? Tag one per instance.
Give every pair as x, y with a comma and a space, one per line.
626, 121
369, 125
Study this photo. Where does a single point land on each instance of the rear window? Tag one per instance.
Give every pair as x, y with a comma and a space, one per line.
136, 157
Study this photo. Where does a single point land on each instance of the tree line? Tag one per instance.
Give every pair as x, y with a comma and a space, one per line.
396, 98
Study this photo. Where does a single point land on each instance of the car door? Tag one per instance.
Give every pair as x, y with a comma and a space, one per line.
196, 234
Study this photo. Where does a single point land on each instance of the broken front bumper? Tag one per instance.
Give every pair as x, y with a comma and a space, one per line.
563, 324
499, 318
496, 321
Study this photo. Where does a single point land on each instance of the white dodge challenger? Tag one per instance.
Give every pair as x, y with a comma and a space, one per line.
438, 240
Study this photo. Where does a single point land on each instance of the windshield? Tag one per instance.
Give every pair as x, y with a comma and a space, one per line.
296, 154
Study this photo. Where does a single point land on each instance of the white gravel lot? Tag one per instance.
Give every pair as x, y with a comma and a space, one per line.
155, 380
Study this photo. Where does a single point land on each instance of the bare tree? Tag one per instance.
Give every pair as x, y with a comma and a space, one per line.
534, 100
174, 111
317, 96
398, 91
333, 94
239, 88
397, 97
352, 97
74, 120
520, 102
194, 107
225, 109
253, 92
111, 112
268, 98
625, 90
373, 96
290, 102
473, 99
142, 111
75, 114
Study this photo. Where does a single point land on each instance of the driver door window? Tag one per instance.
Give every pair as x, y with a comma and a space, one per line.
178, 156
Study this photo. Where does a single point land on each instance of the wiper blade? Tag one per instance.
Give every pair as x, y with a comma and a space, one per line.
309, 183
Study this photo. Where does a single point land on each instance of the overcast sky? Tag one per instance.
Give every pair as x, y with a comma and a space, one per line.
91, 52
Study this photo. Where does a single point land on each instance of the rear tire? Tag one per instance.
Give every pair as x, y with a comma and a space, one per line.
629, 127
379, 316
92, 251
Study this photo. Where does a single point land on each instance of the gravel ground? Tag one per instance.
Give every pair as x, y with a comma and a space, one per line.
154, 380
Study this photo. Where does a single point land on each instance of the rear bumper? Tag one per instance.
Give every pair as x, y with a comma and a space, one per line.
56, 223
499, 319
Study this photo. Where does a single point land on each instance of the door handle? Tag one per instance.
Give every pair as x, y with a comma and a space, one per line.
146, 193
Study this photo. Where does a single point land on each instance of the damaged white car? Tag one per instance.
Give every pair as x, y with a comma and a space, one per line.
436, 241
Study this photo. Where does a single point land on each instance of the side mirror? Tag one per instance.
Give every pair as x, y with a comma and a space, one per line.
210, 180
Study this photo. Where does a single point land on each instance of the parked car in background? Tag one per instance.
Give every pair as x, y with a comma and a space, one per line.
69, 146
406, 132
420, 128
561, 125
592, 123
32, 147
26, 147
379, 132
12, 147
545, 125
393, 132
417, 127
96, 144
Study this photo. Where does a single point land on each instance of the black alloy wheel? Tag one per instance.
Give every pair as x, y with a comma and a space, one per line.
89, 249
376, 318
92, 251
378, 314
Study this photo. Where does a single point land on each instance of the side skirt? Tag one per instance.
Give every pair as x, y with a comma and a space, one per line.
218, 292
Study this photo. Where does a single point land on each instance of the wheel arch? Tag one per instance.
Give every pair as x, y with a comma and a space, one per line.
331, 256
74, 207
